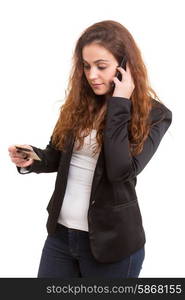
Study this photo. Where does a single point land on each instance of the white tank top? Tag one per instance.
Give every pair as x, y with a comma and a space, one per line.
73, 213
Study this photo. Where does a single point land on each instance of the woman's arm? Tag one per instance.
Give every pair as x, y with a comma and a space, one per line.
120, 165
50, 158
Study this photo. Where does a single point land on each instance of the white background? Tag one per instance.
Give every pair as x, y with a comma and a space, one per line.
37, 41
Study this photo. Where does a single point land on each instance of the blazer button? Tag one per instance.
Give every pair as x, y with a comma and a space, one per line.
93, 202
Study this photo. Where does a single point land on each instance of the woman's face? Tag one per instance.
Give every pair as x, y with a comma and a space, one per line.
99, 68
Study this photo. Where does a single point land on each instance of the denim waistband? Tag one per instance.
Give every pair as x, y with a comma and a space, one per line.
62, 228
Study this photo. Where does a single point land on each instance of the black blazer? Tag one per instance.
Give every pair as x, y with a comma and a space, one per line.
114, 218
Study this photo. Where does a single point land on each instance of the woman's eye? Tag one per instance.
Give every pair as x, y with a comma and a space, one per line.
101, 68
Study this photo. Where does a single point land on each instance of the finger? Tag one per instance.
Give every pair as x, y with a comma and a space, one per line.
18, 154
27, 163
18, 160
23, 163
116, 80
12, 149
121, 70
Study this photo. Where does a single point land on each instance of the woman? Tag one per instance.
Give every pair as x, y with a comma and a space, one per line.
107, 131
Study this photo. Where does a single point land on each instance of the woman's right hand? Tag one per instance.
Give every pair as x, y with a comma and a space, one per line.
18, 157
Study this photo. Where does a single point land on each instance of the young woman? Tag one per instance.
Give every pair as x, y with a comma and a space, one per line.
107, 131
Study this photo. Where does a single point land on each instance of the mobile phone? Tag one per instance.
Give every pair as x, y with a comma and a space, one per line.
122, 65
23, 149
28, 153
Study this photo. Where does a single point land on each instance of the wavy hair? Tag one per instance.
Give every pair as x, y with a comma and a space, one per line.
81, 108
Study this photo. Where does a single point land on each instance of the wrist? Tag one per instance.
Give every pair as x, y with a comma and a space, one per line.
121, 95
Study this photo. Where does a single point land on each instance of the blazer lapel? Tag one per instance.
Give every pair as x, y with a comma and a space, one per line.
97, 175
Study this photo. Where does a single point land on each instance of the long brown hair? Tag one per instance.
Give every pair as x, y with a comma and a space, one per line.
80, 109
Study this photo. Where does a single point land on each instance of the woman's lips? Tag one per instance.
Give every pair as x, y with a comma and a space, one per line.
97, 85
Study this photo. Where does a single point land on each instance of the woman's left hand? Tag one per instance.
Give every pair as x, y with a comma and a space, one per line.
125, 87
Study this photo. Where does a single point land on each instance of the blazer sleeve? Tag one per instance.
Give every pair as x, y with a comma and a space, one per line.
50, 158
120, 165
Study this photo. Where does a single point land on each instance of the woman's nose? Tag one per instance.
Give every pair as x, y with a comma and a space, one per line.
93, 74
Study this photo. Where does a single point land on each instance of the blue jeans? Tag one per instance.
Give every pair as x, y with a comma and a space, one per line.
67, 254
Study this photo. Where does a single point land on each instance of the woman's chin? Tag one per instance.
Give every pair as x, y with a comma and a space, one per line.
101, 92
